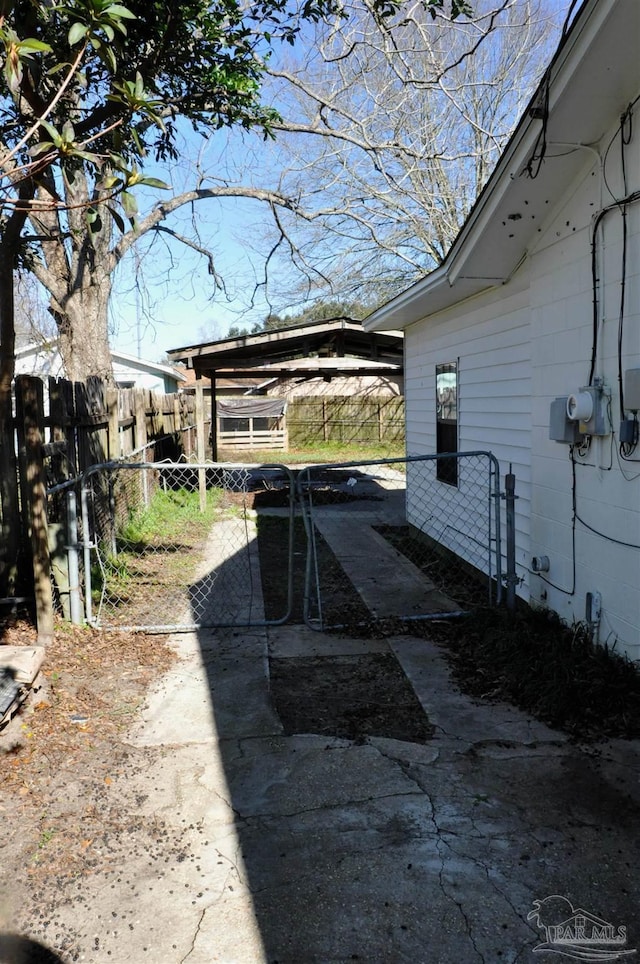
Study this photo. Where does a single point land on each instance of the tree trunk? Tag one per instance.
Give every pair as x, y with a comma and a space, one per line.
75, 267
84, 335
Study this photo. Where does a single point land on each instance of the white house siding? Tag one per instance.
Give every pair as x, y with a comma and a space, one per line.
518, 348
489, 337
607, 490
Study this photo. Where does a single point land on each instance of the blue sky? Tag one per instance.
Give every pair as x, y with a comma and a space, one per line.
175, 304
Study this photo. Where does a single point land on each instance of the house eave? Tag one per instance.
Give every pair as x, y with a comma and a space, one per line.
513, 207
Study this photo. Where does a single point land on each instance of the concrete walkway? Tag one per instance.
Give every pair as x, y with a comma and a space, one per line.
313, 850
253, 847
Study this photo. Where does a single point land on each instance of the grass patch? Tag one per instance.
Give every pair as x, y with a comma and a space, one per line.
532, 659
327, 452
156, 551
171, 516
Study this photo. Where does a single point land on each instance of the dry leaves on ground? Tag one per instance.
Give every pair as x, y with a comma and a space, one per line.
68, 741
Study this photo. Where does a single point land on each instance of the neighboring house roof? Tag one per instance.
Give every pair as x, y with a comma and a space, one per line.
132, 362
297, 349
46, 360
593, 76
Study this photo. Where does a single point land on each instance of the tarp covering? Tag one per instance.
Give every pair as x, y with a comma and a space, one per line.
255, 407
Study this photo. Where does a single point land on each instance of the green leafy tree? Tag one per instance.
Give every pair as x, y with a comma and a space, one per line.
329, 310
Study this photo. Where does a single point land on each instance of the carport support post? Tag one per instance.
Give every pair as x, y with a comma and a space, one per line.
510, 503
200, 442
214, 417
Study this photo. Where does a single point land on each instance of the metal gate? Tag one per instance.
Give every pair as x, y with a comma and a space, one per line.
416, 538
174, 546
162, 546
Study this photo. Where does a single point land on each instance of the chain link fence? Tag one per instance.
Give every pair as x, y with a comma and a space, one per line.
173, 546
416, 538
177, 545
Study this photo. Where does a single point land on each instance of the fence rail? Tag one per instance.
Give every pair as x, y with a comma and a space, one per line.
276, 439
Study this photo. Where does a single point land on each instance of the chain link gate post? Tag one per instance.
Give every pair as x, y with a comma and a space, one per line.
511, 578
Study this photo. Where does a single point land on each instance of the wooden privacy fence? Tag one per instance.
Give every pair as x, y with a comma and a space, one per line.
63, 428
345, 419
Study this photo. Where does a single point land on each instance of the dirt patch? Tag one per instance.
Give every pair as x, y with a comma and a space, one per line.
273, 548
61, 758
352, 697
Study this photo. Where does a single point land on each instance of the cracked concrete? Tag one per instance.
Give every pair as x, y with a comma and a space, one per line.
315, 850
260, 848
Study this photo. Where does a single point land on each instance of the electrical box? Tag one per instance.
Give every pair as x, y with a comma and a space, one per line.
628, 434
561, 428
587, 408
632, 389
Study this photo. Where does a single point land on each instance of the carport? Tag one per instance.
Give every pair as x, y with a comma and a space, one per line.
317, 348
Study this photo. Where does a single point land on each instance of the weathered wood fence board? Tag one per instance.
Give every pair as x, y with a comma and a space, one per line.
62, 429
345, 419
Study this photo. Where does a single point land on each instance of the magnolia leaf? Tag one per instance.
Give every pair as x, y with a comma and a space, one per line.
95, 223
53, 134
31, 44
111, 59
117, 218
129, 204
154, 182
115, 10
57, 68
13, 74
77, 32
109, 182
42, 148
86, 156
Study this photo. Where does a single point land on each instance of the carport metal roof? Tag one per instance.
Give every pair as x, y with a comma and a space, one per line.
263, 353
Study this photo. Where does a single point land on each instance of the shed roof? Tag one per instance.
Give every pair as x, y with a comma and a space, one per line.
298, 350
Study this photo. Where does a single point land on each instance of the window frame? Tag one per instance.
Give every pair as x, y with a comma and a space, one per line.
447, 426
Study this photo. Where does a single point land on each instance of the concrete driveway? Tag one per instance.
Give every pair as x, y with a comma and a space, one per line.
306, 849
